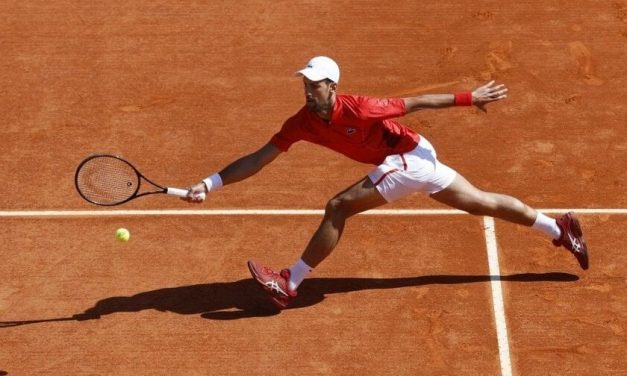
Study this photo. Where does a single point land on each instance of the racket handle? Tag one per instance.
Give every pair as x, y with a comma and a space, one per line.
183, 193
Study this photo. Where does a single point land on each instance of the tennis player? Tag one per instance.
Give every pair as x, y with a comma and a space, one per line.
365, 130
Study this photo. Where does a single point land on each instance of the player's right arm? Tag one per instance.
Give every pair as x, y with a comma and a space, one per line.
249, 165
239, 170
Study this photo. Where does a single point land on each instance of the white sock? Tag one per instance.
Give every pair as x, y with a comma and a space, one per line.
547, 225
298, 272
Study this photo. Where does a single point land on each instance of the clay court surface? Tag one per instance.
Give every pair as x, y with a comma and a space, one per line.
182, 90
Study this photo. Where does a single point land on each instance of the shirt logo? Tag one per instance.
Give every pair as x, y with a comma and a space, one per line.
350, 131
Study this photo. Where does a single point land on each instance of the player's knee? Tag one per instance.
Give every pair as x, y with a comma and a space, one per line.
334, 206
338, 207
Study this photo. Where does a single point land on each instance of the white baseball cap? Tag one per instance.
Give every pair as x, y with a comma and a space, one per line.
319, 68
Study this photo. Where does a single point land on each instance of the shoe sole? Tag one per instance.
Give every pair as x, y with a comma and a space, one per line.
252, 271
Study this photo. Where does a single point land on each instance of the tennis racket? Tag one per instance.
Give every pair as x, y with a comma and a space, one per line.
108, 180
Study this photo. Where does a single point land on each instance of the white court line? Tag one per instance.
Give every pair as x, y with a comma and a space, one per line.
497, 296
239, 212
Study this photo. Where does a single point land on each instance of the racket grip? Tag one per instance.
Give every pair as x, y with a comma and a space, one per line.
183, 193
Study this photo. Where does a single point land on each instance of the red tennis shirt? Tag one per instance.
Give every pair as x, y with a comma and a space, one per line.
360, 128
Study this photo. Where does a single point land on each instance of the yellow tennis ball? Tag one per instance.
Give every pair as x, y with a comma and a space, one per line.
122, 235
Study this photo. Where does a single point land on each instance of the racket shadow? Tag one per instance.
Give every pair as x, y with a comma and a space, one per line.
245, 299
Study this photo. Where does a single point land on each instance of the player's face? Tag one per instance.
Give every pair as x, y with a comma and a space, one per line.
319, 95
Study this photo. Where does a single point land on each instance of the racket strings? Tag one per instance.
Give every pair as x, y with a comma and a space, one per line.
107, 180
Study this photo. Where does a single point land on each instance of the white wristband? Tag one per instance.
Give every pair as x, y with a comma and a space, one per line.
213, 182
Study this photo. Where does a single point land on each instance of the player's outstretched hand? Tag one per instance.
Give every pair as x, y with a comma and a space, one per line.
488, 93
196, 193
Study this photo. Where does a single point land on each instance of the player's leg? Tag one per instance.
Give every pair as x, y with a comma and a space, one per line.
565, 231
282, 286
462, 195
359, 197
422, 171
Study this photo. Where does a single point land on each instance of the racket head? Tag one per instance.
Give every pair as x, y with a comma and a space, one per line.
107, 180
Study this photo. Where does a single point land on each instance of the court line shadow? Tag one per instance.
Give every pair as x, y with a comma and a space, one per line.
244, 298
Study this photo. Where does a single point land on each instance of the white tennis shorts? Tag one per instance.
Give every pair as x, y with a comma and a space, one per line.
416, 171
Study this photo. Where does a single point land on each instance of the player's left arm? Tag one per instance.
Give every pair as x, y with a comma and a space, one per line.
478, 97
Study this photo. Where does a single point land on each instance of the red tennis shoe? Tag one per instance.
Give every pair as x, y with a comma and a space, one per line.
572, 238
275, 284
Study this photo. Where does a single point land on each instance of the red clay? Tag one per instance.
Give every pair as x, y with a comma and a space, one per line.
181, 90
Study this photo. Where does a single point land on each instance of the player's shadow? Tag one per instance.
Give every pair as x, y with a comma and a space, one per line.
244, 298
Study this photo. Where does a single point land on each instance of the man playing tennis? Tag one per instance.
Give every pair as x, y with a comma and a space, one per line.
362, 128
